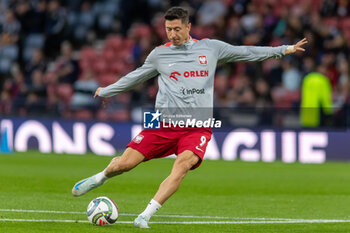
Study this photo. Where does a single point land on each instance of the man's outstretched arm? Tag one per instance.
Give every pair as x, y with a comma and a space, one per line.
231, 53
146, 71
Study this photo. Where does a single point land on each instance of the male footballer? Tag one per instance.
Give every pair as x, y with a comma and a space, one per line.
182, 63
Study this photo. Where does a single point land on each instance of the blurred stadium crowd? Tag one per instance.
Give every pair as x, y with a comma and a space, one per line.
54, 54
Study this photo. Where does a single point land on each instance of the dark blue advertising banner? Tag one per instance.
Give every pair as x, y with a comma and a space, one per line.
109, 138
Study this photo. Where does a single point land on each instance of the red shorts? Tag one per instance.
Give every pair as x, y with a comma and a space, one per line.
159, 143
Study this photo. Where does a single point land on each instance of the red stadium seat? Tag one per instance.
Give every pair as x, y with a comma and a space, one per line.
347, 37
102, 115
116, 66
331, 22
64, 92
114, 42
284, 98
83, 114
316, 5
120, 115
100, 66
84, 65
287, 2
107, 79
142, 30
51, 94
108, 55
345, 24
88, 53
128, 44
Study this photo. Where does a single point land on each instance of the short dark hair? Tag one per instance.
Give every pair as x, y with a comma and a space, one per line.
177, 13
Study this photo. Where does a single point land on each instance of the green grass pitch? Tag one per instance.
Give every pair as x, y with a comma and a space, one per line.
219, 196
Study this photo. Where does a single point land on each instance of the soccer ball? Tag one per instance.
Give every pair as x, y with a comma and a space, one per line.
102, 211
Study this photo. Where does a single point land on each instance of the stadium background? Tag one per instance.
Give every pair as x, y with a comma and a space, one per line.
53, 56
55, 53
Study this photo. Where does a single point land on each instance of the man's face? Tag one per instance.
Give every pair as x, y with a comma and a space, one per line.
177, 32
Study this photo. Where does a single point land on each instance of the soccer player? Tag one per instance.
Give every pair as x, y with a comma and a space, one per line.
183, 63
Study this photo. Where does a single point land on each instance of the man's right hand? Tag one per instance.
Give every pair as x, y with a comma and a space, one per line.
97, 92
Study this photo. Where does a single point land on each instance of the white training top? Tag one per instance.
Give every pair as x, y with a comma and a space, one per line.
186, 72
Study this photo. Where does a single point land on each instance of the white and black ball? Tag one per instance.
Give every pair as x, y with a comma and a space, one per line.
102, 211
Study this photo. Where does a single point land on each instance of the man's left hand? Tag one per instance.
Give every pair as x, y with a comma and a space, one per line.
297, 47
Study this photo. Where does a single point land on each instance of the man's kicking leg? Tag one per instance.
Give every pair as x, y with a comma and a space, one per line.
183, 163
130, 159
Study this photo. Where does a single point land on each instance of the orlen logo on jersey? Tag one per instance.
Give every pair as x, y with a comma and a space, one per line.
190, 74
173, 75
196, 73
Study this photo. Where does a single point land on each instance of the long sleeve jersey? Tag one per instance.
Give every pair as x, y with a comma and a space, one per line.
186, 72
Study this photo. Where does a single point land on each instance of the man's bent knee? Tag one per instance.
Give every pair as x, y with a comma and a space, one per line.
186, 160
117, 166
130, 159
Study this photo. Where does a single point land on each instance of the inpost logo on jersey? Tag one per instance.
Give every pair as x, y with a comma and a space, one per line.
153, 120
192, 91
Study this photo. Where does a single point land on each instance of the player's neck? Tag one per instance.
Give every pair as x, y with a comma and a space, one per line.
185, 41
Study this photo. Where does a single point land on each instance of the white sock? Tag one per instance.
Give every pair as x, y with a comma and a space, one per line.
100, 177
151, 208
